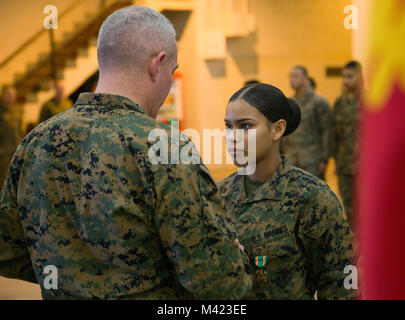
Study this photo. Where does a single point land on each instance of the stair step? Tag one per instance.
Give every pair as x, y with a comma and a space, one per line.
82, 52
93, 41
43, 56
31, 97
45, 85
66, 36
18, 77
79, 26
90, 16
31, 66
59, 74
32, 82
70, 63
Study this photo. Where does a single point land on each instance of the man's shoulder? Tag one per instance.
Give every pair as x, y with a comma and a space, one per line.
320, 100
225, 185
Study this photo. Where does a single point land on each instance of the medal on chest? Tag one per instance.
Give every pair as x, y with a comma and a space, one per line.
261, 273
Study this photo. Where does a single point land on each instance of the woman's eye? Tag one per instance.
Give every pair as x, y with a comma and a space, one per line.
228, 126
246, 126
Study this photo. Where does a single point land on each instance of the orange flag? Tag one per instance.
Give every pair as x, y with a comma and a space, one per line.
381, 181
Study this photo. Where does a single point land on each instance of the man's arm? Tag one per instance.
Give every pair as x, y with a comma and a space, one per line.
198, 235
15, 260
328, 244
336, 128
325, 121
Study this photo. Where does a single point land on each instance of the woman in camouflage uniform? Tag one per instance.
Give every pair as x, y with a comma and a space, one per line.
289, 221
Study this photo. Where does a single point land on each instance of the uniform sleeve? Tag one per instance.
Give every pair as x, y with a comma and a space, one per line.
325, 120
327, 241
198, 235
15, 260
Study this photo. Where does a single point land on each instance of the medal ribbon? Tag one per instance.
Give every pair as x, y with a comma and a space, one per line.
261, 261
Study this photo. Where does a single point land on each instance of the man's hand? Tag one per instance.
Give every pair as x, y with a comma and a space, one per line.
242, 248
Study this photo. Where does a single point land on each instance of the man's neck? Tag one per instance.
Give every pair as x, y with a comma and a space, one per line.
301, 92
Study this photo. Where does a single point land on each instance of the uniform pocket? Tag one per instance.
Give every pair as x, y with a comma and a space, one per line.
282, 256
281, 247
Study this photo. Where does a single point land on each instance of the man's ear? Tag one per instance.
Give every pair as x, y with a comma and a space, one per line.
155, 65
278, 129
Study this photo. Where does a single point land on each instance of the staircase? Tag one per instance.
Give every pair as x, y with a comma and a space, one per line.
71, 55
74, 56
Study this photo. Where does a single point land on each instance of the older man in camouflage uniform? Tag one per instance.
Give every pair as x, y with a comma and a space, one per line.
83, 196
345, 115
309, 146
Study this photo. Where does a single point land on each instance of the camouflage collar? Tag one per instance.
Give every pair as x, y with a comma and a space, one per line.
349, 98
107, 101
273, 189
304, 99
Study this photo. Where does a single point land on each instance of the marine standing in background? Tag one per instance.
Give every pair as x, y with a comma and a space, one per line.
10, 128
311, 84
309, 146
57, 104
345, 116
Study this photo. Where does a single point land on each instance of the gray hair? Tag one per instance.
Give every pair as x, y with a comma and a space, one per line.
131, 35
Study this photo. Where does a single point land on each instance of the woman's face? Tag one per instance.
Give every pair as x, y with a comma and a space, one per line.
241, 115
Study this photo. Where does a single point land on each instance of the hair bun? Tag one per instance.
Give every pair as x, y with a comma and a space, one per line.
294, 119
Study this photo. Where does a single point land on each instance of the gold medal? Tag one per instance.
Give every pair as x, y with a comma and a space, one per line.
261, 276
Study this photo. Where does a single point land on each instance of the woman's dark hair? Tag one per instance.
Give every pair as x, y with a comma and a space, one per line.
272, 103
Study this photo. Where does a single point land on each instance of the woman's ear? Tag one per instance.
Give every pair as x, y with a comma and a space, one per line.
278, 129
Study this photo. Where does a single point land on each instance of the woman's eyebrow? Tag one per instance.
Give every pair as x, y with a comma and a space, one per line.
240, 120
244, 119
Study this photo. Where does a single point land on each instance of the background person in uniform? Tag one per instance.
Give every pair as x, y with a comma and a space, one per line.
10, 128
83, 195
345, 115
57, 104
309, 146
285, 215
311, 84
